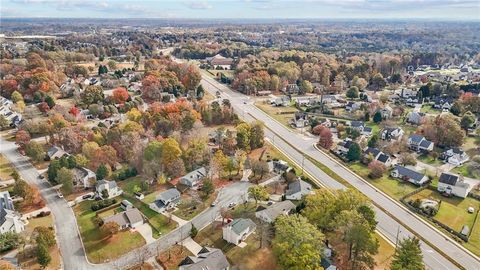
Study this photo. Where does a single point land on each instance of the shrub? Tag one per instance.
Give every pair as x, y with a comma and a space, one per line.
9, 241
102, 204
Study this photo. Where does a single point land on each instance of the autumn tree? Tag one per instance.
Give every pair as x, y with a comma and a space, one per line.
326, 138
258, 193
444, 130
408, 255
468, 120
93, 94
35, 151
110, 228
378, 82
377, 169
259, 168
65, 178
256, 135
243, 136
120, 95
22, 138
298, 245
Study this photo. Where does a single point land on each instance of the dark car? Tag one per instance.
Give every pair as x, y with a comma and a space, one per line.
87, 196
40, 176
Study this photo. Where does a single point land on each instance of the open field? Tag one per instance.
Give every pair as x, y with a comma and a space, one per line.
98, 246
281, 114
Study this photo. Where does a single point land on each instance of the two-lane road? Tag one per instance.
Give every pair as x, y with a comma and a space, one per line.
388, 226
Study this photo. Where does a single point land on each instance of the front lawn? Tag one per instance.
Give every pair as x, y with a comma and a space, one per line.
5, 168
171, 258
189, 208
281, 114
393, 187
429, 160
98, 246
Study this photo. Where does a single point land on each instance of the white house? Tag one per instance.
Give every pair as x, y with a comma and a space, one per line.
193, 178
84, 177
392, 133
166, 200
131, 218
111, 188
415, 118
453, 184
386, 112
238, 230
409, 175
10, 220
419, 143
455, 156
270, 213
297, 189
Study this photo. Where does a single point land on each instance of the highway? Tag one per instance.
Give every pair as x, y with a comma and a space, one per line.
388, 226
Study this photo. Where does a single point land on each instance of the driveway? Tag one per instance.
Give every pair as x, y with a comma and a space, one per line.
191, 245
146, 231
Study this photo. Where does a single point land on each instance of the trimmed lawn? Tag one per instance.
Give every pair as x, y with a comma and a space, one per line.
249, 257
188, 209
38, 222
98, 246
129, 184
429, 160
385, 253
393, 187
5, 168
474, 240
453, 211
159, 223
281, 114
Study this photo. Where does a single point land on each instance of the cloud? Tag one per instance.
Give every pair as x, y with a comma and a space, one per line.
198, 5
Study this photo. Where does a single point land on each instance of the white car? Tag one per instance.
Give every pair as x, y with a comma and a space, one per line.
60, 195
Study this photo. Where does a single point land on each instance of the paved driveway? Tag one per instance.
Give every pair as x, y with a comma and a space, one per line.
146, 231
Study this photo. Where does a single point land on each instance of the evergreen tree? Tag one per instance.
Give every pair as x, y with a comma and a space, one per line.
377, 117
43, 256
354, 152
408, 255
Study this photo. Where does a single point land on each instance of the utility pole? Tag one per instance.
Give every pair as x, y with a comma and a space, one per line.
396, 239
303, 161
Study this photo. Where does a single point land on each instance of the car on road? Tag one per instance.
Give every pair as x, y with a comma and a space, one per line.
231, 205
40, 176
60, 195
213, 204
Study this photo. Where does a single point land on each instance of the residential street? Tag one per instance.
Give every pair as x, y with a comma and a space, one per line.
386, 225
67, 234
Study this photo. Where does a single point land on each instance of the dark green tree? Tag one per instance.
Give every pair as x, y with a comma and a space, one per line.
43, 256
49, 100
102, 172
377, 117
408, 255
354, 152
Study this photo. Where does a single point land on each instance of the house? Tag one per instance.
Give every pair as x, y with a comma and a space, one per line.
358, 125
10, 220
378, 155
409, 175
455, 156
192, 178
367, 131
297, 189
110, 188
327, 264
270, 213
166, 200
280, 166
416, 118
419, 143
238, 230
126, 205
84, 177
279, 102
391, 133
219, 61
453, 184
299, 120
353, 106
291, 89
55, 152
386, 112
131, 218
344, 146
207, 258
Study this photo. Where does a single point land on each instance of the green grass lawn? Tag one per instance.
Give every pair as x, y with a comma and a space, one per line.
393, 187
453, 210
281, 114
473, 243
187, 210
5, 168
429, 109
129, 184
98, 246
429, 160
463, 170
385, 253
160, 223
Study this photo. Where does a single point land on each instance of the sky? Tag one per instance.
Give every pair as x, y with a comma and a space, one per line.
245, 9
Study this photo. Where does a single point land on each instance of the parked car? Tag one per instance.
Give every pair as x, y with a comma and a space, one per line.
87, 196
40, 176
60, 195
213, 204
231, 205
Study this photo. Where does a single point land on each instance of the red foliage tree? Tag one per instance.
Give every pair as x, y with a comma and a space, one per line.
377, 169
43, 107
326, 138
74, 111
120, 95
8, 87
22, 138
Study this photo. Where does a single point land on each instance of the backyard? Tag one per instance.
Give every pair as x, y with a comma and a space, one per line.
190, 207
98, 246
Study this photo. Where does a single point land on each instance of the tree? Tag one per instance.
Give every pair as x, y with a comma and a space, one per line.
218, 163
352, 92
378, 82
377, 169
43, 256
50, 101
43, 107
6, 265
110, 228
171, 152
4, 123
408, 255
44, 235
373, 141
16, 97
20, 188
193, 231
52, 170
120, 95
243, 136
208, 187
256, 135
326, 138
457, 108
306, 86
22, 138
468, 120
408, 159
298, 245
35, 151
9, 240
377, 117
112, 64
259, 167
258, 193
354, 152
102, 172
65, 178
444, 130
93, 94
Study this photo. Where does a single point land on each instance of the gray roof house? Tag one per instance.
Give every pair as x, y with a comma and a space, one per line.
358, 125
56, 152
409, 175
207, 258
419, 143
415, 117
455, 156
392, 133
131, 218
166, 200
270, 213
10, 220
110, 186
192, 178
453, 184
297, 189
238, 230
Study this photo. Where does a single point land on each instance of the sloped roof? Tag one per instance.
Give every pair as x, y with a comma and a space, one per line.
298, 186
277, 209
168, 195
409, 173
207, 258
449, 179
239, 225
